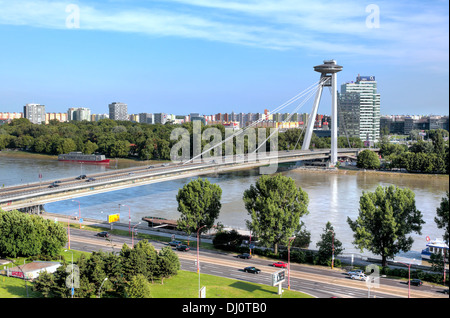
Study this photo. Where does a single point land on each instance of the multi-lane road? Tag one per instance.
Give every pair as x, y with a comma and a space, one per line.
316, 281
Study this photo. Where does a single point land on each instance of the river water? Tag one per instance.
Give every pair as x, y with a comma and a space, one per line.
333, 196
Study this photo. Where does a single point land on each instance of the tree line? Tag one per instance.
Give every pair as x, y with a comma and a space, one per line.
122, 139
430, 156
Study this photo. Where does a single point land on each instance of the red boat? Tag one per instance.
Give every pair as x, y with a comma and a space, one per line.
80, 157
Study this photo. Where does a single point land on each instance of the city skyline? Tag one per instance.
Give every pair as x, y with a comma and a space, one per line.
186, 56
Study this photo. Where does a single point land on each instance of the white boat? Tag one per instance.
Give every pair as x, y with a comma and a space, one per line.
434, 247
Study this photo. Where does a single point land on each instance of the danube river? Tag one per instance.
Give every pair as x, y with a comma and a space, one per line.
333, 196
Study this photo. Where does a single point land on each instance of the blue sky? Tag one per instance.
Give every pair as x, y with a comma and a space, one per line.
211, 56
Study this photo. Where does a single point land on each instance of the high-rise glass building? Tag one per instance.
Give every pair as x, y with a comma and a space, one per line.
359, 110
118, 111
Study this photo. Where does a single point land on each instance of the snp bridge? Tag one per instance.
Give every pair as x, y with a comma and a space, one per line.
32, 196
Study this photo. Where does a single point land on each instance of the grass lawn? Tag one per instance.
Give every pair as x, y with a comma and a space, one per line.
185, 285
11, 287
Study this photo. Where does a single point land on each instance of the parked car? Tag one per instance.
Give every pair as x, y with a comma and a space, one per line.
355, 272
280, 264
183, 248
359, 277
244, 255
252, 269
83, 176
103, 234
416, 282
174, 243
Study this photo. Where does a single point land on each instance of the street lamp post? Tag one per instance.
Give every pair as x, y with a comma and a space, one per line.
198, 242
72, 291
104, 280
409, 276
289, 262
198, 260
132, 237
79, 211
129, 216
68, 232
332, 248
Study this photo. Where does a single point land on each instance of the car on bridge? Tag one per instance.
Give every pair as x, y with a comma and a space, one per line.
54, 184
252, 269
83, 176
90, 180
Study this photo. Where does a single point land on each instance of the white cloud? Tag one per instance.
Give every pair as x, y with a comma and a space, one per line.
416, 32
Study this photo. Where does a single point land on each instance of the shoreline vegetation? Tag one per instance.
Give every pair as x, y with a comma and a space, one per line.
138, 162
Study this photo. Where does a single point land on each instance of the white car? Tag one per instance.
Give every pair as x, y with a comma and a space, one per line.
355, 272
359, 277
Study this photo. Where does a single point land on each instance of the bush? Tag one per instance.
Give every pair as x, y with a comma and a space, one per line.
368, 159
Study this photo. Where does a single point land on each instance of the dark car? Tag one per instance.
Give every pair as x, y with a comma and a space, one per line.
90, 179
416, 282
103, 234
83, 176
54, 184
183, 248
174, 243
252, 269
244, 255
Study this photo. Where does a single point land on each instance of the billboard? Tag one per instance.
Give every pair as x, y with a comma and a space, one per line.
113, 218
278, 277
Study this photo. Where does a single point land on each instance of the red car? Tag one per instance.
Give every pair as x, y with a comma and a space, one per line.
280, 264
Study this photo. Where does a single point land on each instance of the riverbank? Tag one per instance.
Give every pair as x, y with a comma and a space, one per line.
21, 154
358, 171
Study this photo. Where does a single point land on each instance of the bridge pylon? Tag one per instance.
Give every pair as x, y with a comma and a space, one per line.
328, 78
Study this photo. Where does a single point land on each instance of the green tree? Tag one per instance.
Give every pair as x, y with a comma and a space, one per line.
199, 205
120, 149
327, 243
29, 235
44, 284
65, 145
138, 287
386, 217
442, 216
275, 205
89, 147
368, 159
168, 263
